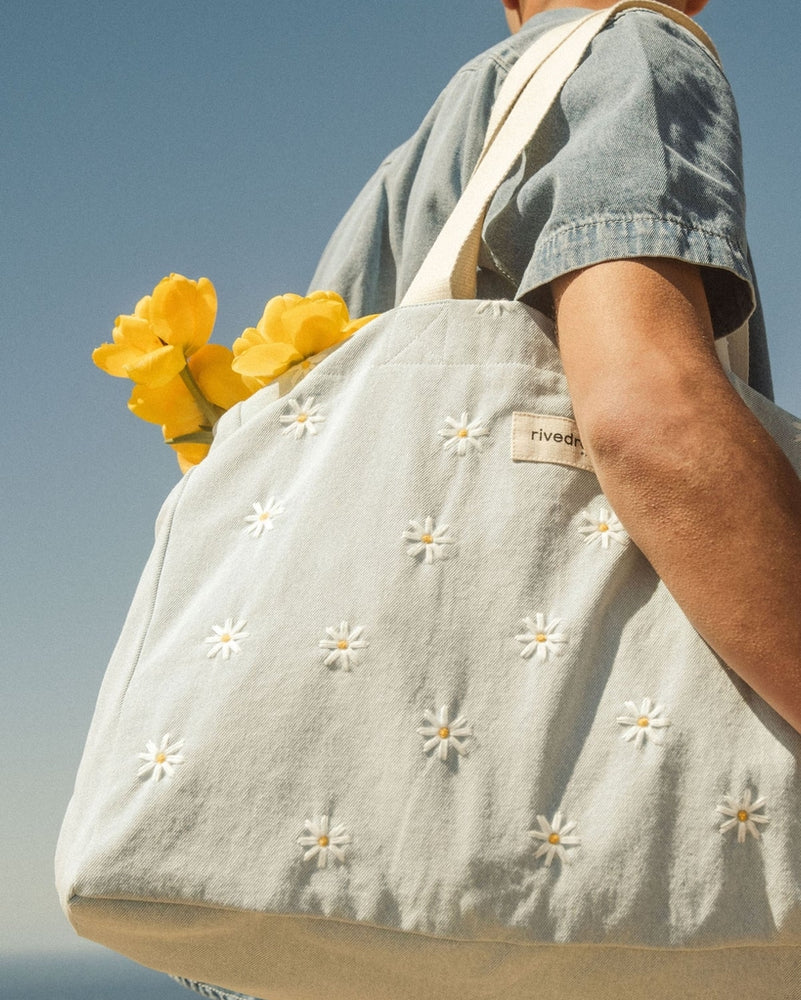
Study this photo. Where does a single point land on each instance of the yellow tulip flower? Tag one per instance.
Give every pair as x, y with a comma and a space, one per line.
291, 329
185, 384
152, 345
182, 312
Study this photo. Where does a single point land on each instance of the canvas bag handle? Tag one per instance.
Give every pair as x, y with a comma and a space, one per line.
526, 96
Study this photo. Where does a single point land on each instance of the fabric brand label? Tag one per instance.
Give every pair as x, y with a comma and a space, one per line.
538, 437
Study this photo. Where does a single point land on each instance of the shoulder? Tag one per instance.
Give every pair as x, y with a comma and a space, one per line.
655, 83
644, 45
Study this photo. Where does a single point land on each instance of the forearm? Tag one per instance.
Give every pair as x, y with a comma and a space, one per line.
701, 488
716, 510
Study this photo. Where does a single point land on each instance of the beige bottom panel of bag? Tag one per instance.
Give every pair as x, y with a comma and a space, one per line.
282, 957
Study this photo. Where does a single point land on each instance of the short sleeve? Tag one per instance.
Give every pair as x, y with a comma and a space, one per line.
640, 157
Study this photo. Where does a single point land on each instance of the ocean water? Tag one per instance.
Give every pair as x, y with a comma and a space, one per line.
79, 977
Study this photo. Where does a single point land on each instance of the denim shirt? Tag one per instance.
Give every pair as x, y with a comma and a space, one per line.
639, 157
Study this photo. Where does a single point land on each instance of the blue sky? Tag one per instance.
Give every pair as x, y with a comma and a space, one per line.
223, 140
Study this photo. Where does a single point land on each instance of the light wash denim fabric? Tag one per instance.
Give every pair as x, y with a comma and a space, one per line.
499, 592
641, 156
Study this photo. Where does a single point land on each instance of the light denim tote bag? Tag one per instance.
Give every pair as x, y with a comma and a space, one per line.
399, 709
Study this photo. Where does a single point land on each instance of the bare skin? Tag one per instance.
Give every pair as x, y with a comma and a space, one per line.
519, 11
701, 488
699, 485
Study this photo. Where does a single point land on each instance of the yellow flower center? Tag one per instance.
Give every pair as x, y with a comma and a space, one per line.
428, 539
225, 637
160, 758
342, 644
264, 516
323, 841
302, 418
643, 721
742, 815
603, 526
541, 637
463, 432
444, 733
554, 838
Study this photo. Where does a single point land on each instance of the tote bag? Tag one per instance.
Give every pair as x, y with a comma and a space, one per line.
399, 708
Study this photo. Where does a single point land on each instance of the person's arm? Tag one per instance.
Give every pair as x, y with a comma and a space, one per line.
701, 488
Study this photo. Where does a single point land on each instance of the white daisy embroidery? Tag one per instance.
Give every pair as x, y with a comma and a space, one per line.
343, 645
302, 418
542, 637
429, 539
463, 435
443, 735
262, 519
643, 723
160, 759
554, 839
226, 638
604, 529
321, 840
744, 815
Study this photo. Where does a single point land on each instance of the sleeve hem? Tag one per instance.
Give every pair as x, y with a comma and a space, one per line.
726, 275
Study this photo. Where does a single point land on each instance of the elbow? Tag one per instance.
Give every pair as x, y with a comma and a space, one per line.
646, 446
616, 439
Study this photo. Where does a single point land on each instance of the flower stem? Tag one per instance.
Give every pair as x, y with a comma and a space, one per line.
195, 437
211, 413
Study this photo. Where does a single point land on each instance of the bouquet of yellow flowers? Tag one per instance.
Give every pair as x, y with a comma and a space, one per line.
185, 384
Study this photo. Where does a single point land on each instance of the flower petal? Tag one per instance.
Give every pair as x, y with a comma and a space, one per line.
171, 404
211, 368
115, 358
182, 311
265, 361
133, 338
157, 367
190, 455
270, 327
315, 324
357, 324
